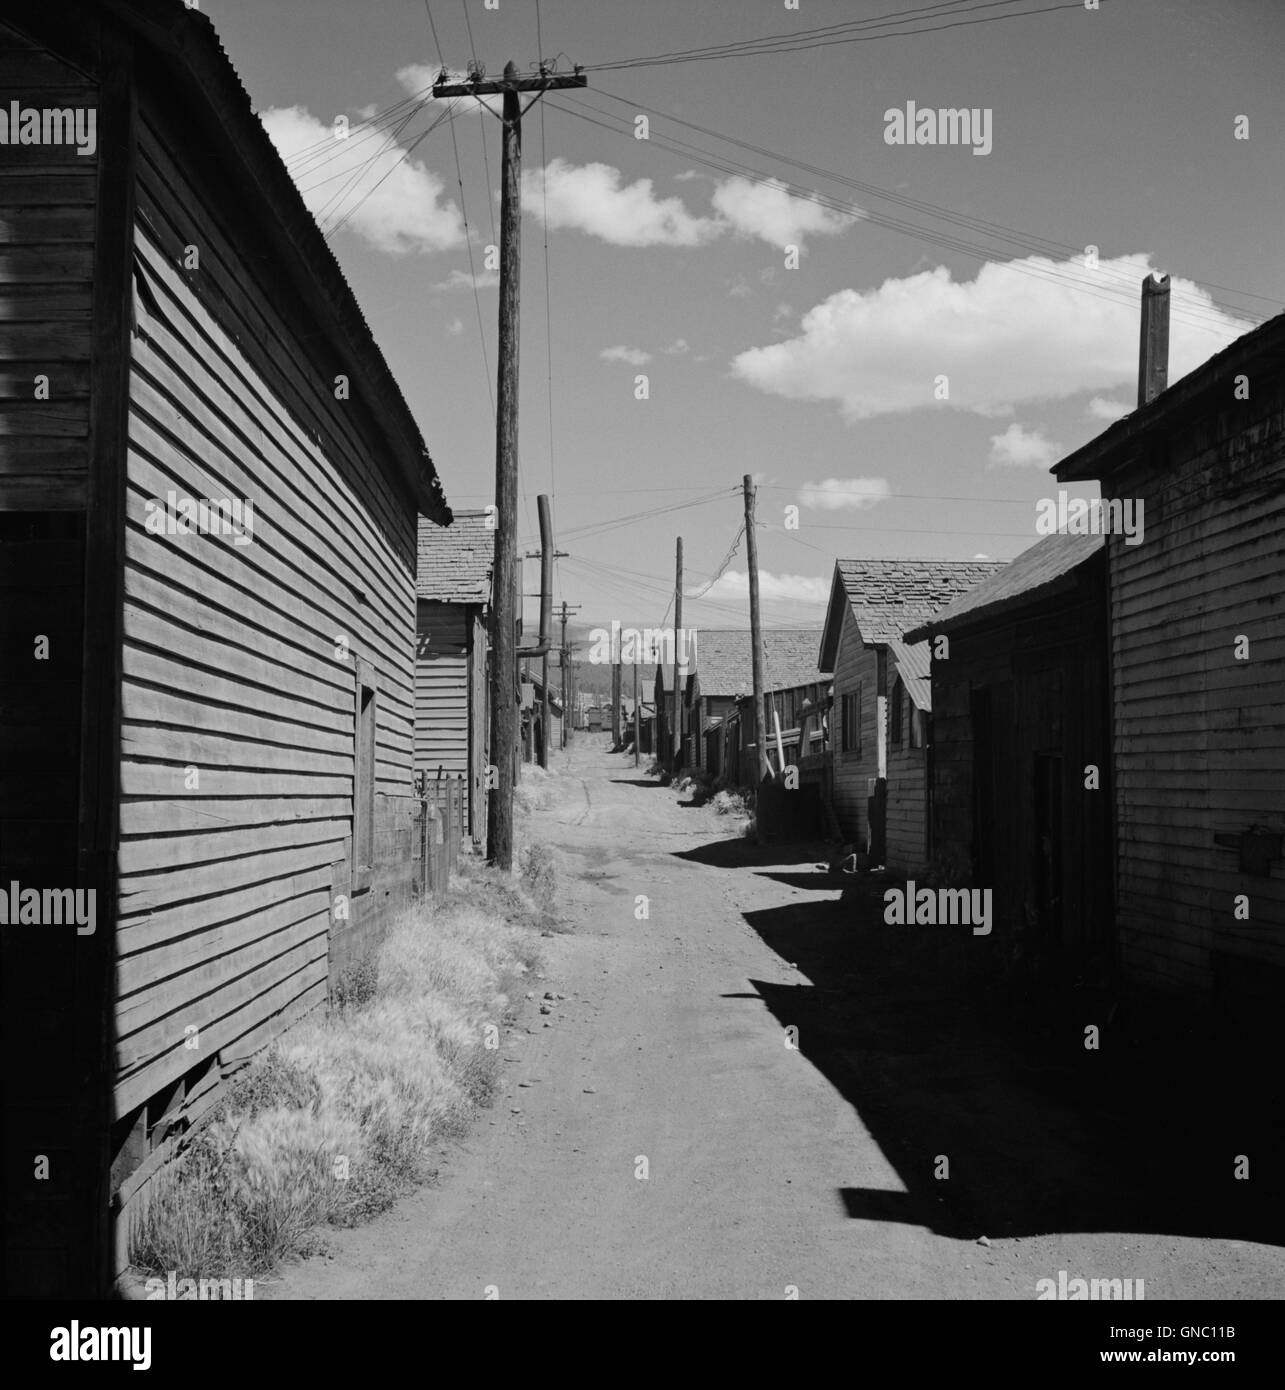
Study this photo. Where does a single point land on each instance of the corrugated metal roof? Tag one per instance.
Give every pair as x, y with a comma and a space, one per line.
1022, 579
455, 561
913, 663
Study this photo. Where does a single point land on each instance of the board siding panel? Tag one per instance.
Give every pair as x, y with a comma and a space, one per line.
233, 659
854, 663
442, 673
907, 801
48, 197
1200, 736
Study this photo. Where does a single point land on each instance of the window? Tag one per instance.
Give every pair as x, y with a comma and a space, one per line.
851, 730
894, 724
363, 797
918, 728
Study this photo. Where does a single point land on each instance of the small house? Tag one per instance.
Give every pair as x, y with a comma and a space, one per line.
883, 699
210, 485
1197, 677
1019, 767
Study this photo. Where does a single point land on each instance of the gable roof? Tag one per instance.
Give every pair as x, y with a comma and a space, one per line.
455, 561
1198, 391
299, 265
887, 597
724, 660
1040, 570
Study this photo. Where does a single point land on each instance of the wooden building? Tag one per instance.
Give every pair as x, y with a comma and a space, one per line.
207, 710
1019, 755
723, 673
451, 706
1197, 673
879, 785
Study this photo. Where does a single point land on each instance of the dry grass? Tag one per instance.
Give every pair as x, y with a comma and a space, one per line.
336, 1121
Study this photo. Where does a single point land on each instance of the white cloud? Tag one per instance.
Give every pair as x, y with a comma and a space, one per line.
844, 494
1007, 337
462, 280
636, 357
455, 327
404, 213
590, 198
677, 348
981, 555
1024, 448
773, 588
768, 211
1100, 408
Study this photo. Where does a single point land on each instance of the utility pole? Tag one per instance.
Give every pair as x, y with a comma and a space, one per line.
678, 626
562, 666
615, 703
637, 714
504, 673
756, 630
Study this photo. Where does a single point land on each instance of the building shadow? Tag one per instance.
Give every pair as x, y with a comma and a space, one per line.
740, 852
954, 1069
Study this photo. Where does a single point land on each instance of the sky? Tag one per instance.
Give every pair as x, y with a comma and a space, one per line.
896, 340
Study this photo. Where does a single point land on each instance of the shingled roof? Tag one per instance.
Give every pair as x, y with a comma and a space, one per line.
455, 561
1041, 569
889, 597
913, 661
724, 660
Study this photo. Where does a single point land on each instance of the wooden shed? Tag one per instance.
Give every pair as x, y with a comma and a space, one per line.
1019, 755
209, 490
880, 786
724, 673
1197, 672
451, 707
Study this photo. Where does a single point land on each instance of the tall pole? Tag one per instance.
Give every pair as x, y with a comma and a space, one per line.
756, 630
637, 714
562, 664
615, 702
678, 624
504, 670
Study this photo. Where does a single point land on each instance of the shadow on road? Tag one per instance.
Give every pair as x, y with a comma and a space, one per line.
739, 852
1040, 1134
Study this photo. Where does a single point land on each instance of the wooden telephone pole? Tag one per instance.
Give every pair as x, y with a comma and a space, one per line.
504, 671
756, 630
678, 625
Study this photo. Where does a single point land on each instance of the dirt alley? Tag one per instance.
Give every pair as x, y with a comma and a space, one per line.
770, 1168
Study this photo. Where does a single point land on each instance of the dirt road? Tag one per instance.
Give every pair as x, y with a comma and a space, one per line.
659, 1139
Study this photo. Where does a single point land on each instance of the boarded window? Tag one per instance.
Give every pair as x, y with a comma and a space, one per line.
894, 730
851, 731
918, 728
364, 771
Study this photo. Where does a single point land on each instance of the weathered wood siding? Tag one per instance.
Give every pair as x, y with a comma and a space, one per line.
442, 689
48, 195
238, 741
1199, 735
907, 791
1041, 672
854, 664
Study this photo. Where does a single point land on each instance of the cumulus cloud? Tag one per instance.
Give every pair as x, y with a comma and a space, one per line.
769, 211
1100, 408
404, 213
677, 348
636, 357
592, 198
1024, 448
1021, 331
462, 280
844, 494
783, 588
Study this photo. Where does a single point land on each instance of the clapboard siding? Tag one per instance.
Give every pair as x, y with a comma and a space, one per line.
48, 198
907, 794
441, 689
1200, 736
233, 661
855, 664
